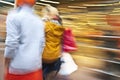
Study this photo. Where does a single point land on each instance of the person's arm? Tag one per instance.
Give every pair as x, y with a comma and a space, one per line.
43, 32
12, 40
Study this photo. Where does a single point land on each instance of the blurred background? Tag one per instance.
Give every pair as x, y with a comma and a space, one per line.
96, 27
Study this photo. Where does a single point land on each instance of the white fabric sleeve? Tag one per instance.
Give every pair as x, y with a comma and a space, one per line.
12, 37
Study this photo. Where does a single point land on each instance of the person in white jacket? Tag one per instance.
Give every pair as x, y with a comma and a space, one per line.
24, 43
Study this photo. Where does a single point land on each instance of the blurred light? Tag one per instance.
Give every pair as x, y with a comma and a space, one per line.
98, 5
41, 3
50, 1
5, 2
76, 7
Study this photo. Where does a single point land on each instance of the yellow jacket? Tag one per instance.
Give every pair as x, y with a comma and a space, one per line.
53, 44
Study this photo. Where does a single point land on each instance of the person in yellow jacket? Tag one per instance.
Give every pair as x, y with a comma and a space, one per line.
53, 45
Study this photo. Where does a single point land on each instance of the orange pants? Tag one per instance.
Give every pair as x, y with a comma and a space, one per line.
37, 75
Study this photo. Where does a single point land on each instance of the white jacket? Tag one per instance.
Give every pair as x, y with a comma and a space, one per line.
25, 40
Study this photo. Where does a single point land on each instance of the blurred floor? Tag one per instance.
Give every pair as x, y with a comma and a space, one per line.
80, 74
83, 74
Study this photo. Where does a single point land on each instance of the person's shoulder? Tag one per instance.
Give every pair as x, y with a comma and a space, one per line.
11, 14
12, 11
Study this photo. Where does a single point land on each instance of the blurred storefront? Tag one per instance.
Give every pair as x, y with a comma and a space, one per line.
96, 27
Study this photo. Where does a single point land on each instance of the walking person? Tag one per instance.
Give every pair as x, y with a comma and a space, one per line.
53, 46
24, 43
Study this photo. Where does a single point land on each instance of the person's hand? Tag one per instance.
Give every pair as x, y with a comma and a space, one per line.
6, 66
